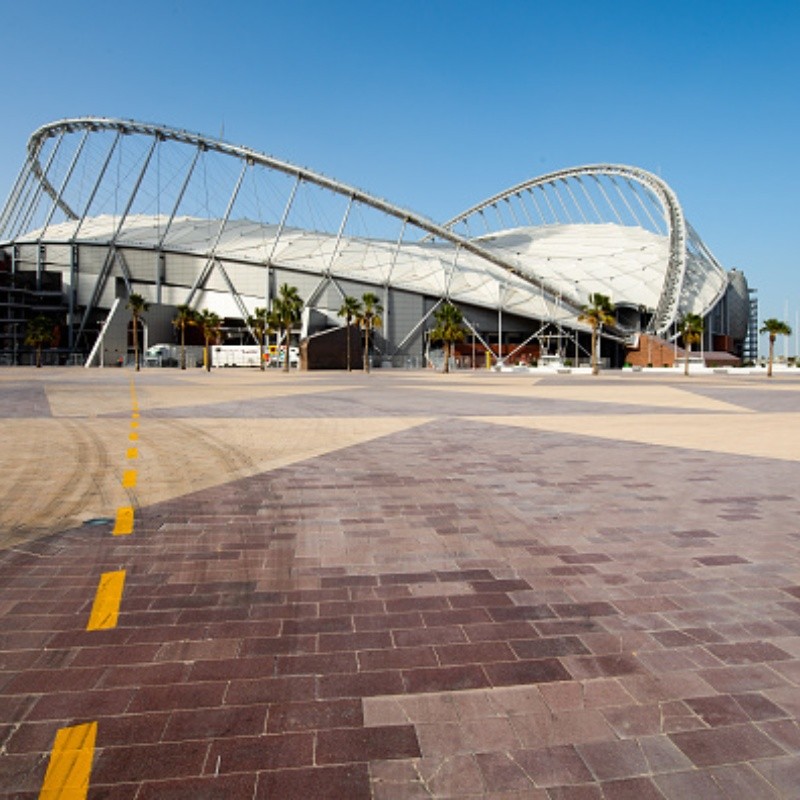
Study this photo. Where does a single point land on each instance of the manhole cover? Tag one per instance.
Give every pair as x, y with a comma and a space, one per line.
98, 521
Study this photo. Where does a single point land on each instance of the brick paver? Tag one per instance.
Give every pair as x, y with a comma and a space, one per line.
404, 585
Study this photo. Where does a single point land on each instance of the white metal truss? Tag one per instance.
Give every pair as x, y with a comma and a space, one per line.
669, 301
161, 133
462, 267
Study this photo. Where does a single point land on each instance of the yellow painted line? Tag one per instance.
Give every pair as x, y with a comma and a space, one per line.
134, 437
70, 765
129, 479
132, 452
124, 523
134, 424
107, 598
135, 415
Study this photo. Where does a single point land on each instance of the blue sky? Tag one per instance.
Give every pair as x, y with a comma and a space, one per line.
436, 105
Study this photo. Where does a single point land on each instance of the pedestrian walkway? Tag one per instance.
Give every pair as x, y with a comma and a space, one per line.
402, 585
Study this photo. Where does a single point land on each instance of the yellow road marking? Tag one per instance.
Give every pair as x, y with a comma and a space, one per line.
134, 424
105, 608
134, 437
132, 452
67, 776
135, 415
129, 479
124, 523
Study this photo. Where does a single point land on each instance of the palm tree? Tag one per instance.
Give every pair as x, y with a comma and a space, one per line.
691, 333
137, 305
39, 332
210, 324
274, 320
774, 327
185, 318
261, 324
449, 330
351, 308
286, 308
369, 318
596, 313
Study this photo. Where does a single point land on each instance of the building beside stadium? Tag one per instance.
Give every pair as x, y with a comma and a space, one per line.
103, 208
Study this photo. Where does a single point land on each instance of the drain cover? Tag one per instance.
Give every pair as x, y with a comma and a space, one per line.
98, 521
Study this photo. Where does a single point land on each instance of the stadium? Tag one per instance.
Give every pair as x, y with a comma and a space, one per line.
104, 208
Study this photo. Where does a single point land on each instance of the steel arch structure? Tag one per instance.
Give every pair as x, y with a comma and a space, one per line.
88, 201
202, 143
672, 212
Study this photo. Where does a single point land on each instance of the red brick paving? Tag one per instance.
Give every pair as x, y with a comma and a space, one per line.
457, 610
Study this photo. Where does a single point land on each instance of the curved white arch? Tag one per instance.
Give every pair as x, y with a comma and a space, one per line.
667, 308
164, 132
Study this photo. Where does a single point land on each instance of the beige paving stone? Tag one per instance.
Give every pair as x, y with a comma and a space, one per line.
564, 727
383, 711
69, 400
56, 473
436, 707
453, 776
775, 435
648, 396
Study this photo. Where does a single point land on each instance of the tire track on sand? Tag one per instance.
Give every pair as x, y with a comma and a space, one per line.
55, 484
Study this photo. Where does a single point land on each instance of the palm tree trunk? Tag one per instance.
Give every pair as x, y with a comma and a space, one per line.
261, 351
349, 367
39, 356
286, 351
771, 354
366, 348
446, 358
135, 344
183, 346
208, 354
686, 358
595, 366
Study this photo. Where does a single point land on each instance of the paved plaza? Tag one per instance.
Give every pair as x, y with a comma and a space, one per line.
399, 585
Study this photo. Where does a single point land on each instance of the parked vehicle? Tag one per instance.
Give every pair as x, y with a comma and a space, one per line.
169, 355
234, 355
225, 355
277, 353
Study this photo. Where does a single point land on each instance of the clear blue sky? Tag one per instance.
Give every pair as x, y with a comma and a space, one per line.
436, 105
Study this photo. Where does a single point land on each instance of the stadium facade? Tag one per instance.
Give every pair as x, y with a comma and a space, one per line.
103, 208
